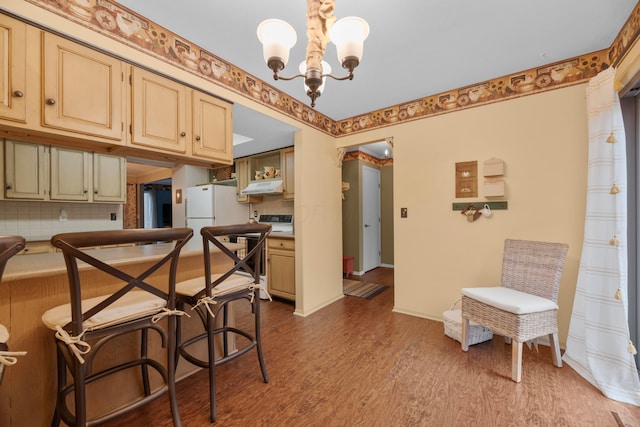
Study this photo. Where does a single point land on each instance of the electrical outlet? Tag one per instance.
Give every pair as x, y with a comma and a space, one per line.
403, 212
255, 214
113, 216
63, 215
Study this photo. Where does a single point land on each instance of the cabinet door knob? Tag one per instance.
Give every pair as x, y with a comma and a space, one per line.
183, 133
95, 191
198, 138
9, 187
51, 101
18, 94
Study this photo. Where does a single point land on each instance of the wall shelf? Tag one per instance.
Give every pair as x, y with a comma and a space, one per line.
479, 205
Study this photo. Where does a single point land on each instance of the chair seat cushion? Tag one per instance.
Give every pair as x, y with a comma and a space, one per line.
233, 283
510, 300
133, 305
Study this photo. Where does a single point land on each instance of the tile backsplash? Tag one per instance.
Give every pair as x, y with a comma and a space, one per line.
272, 205
41, 220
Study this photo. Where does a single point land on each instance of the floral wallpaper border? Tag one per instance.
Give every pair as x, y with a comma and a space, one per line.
115, 21
367, 158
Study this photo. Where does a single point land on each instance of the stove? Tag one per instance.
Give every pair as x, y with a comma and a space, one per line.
280, 223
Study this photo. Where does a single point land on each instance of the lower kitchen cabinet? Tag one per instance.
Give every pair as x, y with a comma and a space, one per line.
281, 276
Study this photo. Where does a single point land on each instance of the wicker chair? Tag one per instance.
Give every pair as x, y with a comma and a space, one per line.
525, 306
9, 246
211, 295
85, 326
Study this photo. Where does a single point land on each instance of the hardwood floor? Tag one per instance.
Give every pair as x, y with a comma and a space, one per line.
356, 363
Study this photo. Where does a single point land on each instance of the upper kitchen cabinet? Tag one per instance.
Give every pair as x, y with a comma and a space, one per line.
83, 90
25, 167
212, 128
109, 178
242, 176
288, 173
70, 173
159, 119
40, 172
12, 70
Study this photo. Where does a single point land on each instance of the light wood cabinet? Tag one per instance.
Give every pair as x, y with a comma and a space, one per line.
56, 91
13, 70
33, 248
242, 177
287, 165
70, 172
159, 116
172, 118
281, 278
83, 90
26, 170
39, 172
281, 160
212, 128
109, 178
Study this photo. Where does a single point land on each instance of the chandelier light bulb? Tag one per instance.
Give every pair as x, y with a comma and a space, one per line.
277, 38
326, 69
349, 34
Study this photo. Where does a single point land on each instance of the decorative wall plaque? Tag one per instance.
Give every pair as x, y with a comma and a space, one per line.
467, 179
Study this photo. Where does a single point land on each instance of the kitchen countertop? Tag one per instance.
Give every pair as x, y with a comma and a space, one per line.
43, 265
283, 235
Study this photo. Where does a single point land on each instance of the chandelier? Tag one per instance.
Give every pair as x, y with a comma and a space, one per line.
348, 34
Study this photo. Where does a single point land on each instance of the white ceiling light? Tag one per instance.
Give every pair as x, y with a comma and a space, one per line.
348, 34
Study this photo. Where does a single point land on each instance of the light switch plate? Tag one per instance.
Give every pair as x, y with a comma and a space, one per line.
403, 212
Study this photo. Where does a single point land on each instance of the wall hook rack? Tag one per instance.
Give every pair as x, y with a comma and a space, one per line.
497, 206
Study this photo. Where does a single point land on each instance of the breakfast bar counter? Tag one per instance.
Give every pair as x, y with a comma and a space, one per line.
32, 284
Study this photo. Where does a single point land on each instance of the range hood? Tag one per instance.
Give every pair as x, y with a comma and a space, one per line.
271, 186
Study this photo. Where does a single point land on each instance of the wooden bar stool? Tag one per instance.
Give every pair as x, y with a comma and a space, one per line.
84, 326
9, 246
211, 295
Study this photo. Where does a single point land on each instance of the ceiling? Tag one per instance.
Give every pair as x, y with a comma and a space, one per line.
415, 50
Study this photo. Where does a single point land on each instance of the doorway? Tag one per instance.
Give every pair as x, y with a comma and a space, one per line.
156, 204
148, 195
367, 232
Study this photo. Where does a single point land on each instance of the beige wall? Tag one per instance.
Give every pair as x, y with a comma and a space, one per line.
386, 215
318, 222
542, 139
352, 212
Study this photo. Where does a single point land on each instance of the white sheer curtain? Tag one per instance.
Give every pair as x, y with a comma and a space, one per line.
598, 345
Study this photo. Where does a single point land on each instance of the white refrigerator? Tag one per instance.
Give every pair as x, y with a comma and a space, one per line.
212, 205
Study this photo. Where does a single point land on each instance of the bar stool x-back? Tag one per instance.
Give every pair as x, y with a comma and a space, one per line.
83, 327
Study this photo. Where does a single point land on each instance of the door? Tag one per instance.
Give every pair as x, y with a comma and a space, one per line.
159, 112
25, 170
83, 90
212, 128
370, 218
109, 178
13, 69
287, 165
200, 202
70, 171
